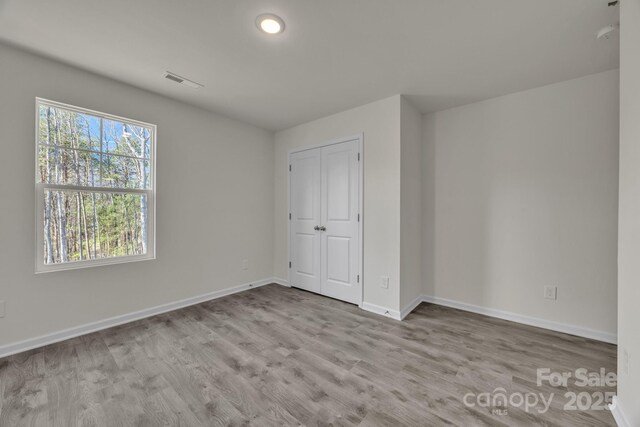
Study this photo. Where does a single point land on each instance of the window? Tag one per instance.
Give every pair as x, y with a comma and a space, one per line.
94, 188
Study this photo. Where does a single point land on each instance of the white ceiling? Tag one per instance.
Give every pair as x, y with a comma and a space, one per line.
333, 55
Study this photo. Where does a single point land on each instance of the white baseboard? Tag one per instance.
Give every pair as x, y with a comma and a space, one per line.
281, 281
384, 311
29, 344
618, 414
411, 306
531, 321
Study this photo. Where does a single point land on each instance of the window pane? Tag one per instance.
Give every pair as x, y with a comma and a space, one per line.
65, 166
87, 151
68, 128
126, 139
84, 225
125, 172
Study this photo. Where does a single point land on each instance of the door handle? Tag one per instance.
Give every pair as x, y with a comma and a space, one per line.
316, 228
322, 228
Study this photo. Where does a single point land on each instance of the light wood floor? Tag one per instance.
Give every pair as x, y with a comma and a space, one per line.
275, 356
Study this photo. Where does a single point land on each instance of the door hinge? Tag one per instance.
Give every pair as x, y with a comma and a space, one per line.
358, 156
289, 264
289, 168
358, 217
289, 217
358, 278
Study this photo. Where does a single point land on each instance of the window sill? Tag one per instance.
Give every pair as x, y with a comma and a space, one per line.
76, 265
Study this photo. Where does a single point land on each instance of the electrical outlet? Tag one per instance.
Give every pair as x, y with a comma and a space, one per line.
384, 282
551, 292
245, 264
2, 308
625, 361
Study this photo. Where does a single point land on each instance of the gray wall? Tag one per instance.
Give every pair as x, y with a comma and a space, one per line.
214, 203
629, 226
411, 218
521, 191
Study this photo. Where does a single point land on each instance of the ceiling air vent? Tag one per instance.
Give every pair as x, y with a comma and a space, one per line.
176, 78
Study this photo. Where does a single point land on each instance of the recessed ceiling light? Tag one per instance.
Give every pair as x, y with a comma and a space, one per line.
270, 23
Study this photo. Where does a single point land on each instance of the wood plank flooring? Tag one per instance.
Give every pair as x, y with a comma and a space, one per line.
274, 356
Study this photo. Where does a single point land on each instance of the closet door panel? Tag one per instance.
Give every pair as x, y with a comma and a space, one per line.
339, 217
305, 216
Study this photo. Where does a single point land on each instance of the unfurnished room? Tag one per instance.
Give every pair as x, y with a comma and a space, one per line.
320, 213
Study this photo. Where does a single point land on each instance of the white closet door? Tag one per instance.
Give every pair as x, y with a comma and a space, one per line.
305, 215
339, 201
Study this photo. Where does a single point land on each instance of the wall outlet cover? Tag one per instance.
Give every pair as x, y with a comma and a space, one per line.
551, 292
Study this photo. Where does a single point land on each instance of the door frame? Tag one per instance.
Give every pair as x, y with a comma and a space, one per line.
360, 138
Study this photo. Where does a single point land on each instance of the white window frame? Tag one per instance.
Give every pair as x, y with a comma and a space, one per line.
40, 188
